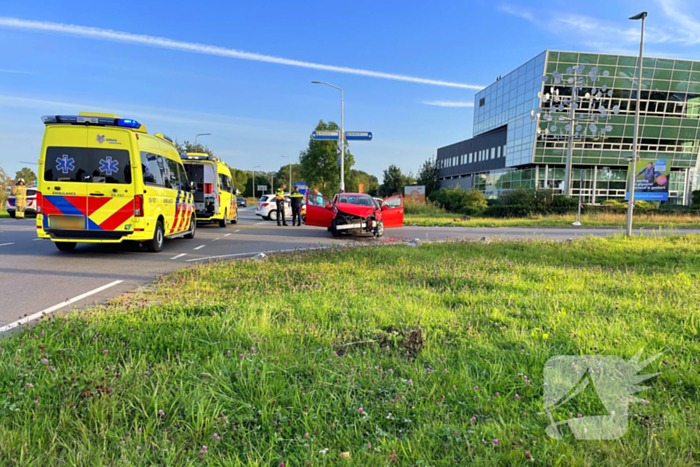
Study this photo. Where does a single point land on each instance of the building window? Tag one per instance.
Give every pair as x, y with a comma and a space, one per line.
498, 152
482, 102
493, 153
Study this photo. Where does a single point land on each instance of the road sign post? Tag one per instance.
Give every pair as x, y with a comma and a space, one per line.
325, 135
358, 136
262, 188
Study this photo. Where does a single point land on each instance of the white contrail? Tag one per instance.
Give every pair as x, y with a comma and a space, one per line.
449, 103
162, 42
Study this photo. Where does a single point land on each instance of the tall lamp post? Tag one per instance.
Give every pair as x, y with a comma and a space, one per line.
256, 167
342, 137
201, 134
633, 165
290, 173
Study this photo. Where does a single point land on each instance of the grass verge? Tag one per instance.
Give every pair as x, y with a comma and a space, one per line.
381, 356
588, 220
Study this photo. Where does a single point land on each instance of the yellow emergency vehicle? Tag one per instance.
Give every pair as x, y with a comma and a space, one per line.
215, 196
104, 179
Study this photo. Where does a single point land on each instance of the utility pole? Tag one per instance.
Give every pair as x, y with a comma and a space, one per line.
633, 166
342, 137
256, 167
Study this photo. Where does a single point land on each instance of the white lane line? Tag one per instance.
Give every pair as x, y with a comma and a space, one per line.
37, 239
57, 307
218, 238
236, 231
223, 256
199, 247
5, 244
261, 223
179, 256
224, 235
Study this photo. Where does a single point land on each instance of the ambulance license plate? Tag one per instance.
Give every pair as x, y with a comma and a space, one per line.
67, 222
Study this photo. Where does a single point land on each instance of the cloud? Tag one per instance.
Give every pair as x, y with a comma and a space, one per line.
612, 36
162, 42
449, 103
17, 71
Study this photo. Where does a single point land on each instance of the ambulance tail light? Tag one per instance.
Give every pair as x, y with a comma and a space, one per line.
138, 206
39, 202
207, 188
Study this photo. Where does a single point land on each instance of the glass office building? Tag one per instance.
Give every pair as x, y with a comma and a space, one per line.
513, 146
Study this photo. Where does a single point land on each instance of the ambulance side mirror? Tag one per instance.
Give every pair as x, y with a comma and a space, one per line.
193, 187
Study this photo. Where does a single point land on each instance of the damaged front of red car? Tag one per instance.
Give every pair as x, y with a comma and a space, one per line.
353, 218
354, 213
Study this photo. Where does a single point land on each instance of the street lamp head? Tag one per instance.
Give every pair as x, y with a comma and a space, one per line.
315, 82
641, 15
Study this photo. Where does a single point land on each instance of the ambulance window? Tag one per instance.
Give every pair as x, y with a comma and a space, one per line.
225, 182
184, 183
152, 173
90, 165
108, 166
173, 178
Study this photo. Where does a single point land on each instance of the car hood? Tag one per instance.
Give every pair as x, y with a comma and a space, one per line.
355, 210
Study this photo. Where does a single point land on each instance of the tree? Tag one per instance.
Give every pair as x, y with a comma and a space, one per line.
394, 181
27, 174
189, 147
4, 182
282, 175
370, 182
428, 176
318, 163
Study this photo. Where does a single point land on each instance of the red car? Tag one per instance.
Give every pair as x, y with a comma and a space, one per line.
354, 213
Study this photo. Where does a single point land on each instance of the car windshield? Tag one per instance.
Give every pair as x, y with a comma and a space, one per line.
354, 199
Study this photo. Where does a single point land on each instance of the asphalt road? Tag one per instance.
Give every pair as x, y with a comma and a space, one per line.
35, 277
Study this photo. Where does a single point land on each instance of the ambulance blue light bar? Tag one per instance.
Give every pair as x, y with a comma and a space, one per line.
89, 120
196, 158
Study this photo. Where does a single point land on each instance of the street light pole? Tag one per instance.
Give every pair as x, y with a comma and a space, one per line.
342, 137
633, 165
256, 167
290, 173
201, 134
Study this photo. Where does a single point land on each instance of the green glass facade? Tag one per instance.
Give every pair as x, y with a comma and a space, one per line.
535, 156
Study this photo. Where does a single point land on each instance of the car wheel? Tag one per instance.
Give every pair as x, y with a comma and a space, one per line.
156, 243
379, 231
273, 215
65, 246
334, 230
235, 219
12, 214
193, 228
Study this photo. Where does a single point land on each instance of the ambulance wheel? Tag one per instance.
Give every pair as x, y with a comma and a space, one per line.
156, 244
222, 222
65, 246
193, 227
235, 219
12, 214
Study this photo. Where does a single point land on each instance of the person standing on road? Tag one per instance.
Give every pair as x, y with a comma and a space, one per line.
20, 193
296, 206
280, 200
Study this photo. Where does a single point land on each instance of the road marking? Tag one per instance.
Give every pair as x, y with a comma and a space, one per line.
218, 238
223, 256
5, 244
37, 239
199, 247
229, 234
261, 223
179, 256
57, 307
236, 231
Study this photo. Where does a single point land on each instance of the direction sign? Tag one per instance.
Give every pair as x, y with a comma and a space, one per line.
358, 136
326, 135
262, 187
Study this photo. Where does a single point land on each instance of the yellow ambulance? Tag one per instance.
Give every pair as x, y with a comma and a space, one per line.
104, 179
214, 195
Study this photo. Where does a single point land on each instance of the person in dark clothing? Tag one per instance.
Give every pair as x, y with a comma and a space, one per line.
280, 200
296, 206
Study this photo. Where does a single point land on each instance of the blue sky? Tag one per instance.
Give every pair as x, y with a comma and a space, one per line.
184, 68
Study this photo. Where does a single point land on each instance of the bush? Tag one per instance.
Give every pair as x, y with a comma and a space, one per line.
417, 209
523, 202
458, 200
695, 197
613, 202
643, 204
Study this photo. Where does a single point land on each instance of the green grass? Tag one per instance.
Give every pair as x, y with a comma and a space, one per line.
588, 220
4, 214
376, 352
